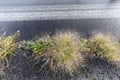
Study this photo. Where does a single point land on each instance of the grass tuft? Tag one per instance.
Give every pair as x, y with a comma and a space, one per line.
67, 49
61, 51
103, 46
7, 46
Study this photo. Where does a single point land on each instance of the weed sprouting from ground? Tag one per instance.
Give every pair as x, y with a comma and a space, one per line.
7, 46
67, 49
25, 45
103, 46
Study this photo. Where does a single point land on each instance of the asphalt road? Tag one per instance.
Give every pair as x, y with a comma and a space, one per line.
31, 29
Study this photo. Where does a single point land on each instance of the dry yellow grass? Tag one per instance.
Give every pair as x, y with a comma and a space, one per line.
67, 49
7, 46
61, 51
103, 46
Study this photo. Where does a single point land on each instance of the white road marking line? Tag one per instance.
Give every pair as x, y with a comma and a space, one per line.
59, 12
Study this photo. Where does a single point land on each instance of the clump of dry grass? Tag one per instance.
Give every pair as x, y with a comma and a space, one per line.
67, 50
7, 46
103, 46
61, 51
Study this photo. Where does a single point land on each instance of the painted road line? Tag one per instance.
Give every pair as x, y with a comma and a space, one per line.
59, 7
25, 13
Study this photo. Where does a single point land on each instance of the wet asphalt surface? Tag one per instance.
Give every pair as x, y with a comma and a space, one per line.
31, 29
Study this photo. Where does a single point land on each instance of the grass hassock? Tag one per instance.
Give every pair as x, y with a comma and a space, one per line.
102, 46
61, 51
7, 46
